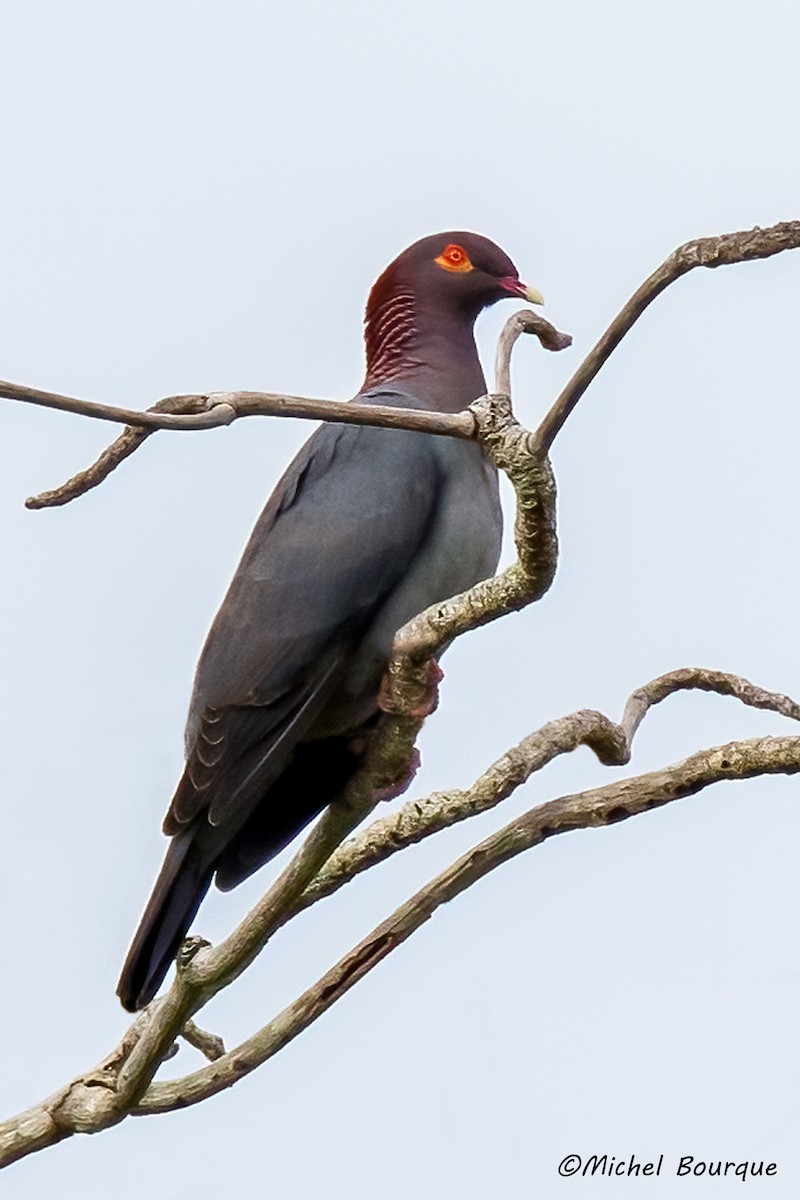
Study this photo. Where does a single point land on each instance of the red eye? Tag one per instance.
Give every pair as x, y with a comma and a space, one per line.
454, 258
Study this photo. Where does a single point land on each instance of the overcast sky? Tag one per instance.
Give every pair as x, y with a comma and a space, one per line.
198, 196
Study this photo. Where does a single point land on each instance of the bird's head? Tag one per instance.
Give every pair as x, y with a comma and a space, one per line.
422, 308
456, 272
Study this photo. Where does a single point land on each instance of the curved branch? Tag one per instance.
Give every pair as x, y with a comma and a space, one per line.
211, 410
203, 971
129, 440
583, 810
122, 1083
118, 1087
524, 321
612, 743
721, 251
511, 448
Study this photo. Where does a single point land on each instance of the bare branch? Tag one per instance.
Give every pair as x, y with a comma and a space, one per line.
174, 412
591, 809
119, 1085
701, 679
720, 251
129, 440
122, 1083
212, 969
524, 321
213, 409
208, 1044
612, 743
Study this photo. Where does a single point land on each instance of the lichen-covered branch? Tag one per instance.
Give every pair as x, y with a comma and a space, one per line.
122, 1084
611, 742
590, 809
511, 449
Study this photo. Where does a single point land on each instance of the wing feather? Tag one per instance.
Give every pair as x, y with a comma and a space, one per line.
338, 535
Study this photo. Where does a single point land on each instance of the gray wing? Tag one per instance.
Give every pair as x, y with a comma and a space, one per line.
339, 534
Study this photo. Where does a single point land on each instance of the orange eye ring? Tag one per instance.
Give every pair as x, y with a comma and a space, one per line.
454, 258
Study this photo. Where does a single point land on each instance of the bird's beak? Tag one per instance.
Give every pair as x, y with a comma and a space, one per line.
515, 287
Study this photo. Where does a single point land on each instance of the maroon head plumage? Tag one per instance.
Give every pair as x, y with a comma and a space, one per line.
429, 297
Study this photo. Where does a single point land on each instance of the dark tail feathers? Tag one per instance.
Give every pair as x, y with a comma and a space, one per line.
179, 889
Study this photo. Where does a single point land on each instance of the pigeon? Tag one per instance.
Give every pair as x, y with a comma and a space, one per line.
366, 528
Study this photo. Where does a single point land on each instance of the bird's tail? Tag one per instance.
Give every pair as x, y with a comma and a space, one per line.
180, 887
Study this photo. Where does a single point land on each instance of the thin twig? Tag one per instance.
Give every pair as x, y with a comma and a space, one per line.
214, 409
174, 412
524, 321
128, 441
209, 1044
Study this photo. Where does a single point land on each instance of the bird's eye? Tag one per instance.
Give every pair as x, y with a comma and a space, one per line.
454, 258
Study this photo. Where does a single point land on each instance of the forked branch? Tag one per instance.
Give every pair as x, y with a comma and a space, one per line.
213, 409
123, 1084
120, 1086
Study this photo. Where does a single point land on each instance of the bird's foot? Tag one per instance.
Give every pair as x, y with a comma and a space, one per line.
425, 704
392, 790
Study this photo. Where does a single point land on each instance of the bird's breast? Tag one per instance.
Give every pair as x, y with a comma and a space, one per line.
461, 547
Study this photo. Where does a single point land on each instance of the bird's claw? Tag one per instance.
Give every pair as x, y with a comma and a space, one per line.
392, 790
429, 700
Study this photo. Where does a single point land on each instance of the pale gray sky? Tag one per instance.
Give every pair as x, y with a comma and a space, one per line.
199, 195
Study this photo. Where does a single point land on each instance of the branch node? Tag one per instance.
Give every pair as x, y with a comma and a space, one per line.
209, 1044
188, 949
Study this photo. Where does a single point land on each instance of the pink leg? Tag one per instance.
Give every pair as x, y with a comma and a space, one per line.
429, 702
393, 790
